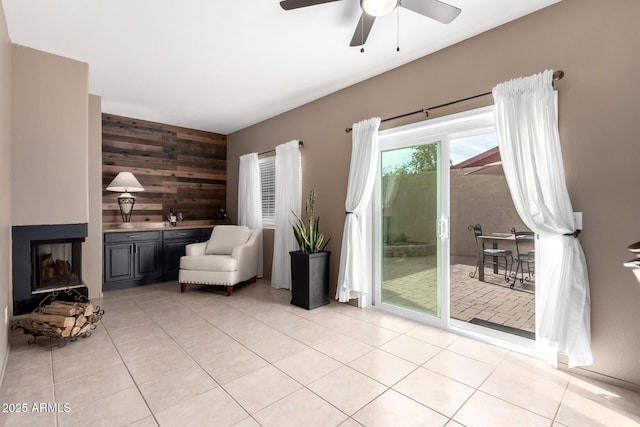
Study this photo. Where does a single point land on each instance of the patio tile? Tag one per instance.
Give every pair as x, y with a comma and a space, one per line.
491, 300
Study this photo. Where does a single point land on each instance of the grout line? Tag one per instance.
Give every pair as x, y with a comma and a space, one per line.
129, 372
277, 304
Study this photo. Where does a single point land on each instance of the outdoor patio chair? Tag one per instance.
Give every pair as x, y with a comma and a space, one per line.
494, 254
523, 238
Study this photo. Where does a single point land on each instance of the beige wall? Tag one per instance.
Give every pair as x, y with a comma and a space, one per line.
92, 250
5, 186
49, 133
596, 44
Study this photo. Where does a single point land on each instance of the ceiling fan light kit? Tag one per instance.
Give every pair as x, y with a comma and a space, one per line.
434, 9
379, 8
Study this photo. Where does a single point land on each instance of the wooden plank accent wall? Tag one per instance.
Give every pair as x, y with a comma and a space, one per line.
180, 169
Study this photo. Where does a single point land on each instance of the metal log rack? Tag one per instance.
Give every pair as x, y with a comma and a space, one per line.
69, 295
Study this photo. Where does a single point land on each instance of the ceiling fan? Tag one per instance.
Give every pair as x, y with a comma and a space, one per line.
371, 9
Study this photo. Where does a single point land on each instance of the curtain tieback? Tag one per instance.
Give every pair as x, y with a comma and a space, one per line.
349, 213
574, 234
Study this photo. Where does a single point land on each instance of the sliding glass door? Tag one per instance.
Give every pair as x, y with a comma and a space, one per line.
424, 169
411, 227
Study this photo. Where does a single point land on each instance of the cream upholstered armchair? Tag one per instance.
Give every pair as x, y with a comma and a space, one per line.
228, 258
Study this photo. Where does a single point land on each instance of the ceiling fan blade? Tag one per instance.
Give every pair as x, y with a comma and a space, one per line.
362, 30
433, 9
297, 4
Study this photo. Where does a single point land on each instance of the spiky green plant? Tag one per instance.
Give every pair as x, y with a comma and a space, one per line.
307, 231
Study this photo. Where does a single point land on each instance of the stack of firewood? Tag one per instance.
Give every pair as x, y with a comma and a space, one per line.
66, 319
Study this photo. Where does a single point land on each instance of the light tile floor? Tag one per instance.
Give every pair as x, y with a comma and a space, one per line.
200, 358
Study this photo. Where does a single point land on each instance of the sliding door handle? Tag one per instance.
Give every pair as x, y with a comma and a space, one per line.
442, 230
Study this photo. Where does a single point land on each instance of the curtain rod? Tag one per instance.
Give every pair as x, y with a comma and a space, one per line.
558, 75
300, 144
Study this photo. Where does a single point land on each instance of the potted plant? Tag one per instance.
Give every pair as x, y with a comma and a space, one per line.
309, 265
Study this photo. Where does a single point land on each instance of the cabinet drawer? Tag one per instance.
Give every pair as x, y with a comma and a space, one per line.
132, 236
181, 234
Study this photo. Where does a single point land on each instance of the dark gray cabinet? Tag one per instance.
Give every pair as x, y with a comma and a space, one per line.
174, 242
131, 258
118, 262
139, 258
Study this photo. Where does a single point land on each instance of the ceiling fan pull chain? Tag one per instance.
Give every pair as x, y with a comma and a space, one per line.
398, 29
362, 31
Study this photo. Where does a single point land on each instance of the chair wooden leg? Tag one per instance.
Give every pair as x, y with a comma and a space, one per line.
183, 287
229, 290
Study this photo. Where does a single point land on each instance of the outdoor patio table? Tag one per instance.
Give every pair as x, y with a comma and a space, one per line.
495, 238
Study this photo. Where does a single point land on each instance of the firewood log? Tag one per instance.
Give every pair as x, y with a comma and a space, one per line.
78, 307
80, 320
61, 310
53, 319
88, 310
68, 331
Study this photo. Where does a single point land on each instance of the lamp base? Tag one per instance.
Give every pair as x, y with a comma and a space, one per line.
126, 225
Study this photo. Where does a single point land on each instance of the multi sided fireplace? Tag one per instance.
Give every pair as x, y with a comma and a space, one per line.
46, 258
55, 264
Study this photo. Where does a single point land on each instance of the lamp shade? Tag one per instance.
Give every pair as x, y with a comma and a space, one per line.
125, 182
379, 7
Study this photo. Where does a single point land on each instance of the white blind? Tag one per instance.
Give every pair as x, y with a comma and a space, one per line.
268, 189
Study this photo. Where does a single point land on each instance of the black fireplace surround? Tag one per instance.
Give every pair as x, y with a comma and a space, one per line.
23, 239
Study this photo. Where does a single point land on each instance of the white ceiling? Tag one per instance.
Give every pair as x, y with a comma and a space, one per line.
224, 65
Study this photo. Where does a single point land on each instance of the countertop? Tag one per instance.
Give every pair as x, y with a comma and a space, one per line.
150, 226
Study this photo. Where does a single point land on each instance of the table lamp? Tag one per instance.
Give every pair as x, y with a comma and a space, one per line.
125, 183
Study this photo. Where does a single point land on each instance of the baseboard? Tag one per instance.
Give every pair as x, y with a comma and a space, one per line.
6, 356
598, 377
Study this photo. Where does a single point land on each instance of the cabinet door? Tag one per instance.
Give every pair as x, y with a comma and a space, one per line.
118, 262
173, 250
147, 259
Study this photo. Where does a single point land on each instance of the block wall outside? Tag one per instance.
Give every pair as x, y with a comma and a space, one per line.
475, 199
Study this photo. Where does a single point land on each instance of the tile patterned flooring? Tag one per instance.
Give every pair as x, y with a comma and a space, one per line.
200, 358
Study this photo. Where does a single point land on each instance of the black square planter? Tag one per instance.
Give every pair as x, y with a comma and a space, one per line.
309, 279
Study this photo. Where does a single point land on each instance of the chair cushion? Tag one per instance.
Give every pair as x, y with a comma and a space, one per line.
497, 252
209, 263
226, 237
525, 258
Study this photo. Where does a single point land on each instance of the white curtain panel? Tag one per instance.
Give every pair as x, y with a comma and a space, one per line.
250, 199
354, 276
529, 143
288, 200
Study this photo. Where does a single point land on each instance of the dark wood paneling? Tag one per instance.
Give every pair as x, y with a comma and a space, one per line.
181, 169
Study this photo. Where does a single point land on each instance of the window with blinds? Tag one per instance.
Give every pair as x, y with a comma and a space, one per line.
268, 189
